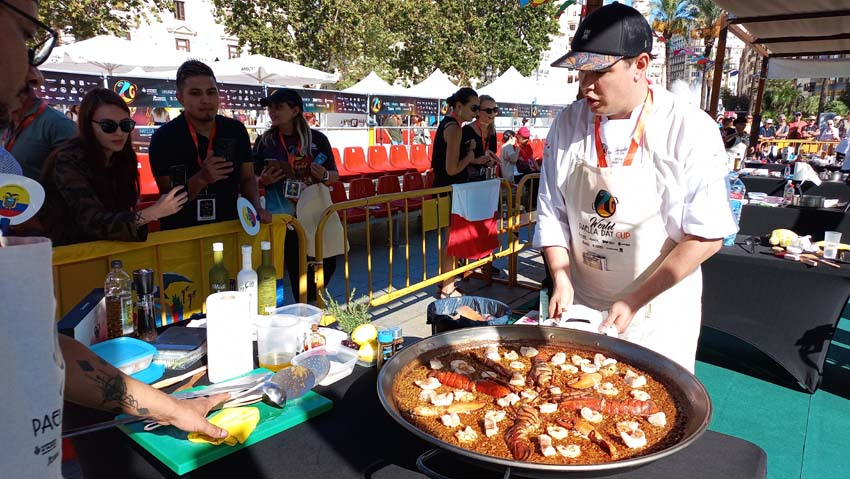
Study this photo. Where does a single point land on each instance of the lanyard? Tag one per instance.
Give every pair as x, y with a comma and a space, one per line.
485, 140
637, 136
195, 141
289, 156
24, 124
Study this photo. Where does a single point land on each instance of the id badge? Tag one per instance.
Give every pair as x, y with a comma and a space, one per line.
292, 189
595, 261
205, 207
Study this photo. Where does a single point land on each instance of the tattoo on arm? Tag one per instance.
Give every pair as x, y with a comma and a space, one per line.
139, 219
113, 389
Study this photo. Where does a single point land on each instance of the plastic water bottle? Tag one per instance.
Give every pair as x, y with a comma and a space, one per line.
118, 292
246, 280
788, 193
737, 192
787, 173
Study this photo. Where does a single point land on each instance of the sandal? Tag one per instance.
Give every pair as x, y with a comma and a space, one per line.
453, 293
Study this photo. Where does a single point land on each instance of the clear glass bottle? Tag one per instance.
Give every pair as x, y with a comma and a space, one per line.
246, 280
266, 281
219, 278
119, 301
314, 338
145, 307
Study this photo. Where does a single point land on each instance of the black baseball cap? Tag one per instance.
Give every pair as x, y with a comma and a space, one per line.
606, 36
283, 95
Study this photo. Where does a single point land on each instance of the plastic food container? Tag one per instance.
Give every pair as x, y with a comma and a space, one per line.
333, 337
177, 359
130, 355
342, 361
306, 312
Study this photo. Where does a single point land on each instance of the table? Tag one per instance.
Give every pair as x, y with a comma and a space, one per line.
775, 187
761, 220
780, 167
357, 439
785, 309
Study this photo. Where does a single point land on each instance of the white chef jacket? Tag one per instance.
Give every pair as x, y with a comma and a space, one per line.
689, 158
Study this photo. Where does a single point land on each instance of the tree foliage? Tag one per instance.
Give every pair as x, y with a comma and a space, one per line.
88, 18
404, 39
669, 17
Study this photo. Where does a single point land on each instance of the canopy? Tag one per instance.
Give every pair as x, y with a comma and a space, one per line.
271, 71
791, 68
375, 85
112, 55
511, 87
789, 28
437, 85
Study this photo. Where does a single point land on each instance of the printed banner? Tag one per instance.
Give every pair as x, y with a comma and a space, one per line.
240, 97
351, 103
67, 88
145, 92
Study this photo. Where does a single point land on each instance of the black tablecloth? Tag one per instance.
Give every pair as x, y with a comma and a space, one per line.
357, 439
781, 166
761, 220
785, 309
775, 187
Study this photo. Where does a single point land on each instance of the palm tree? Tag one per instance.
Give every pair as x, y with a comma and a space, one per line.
706, 16
670, 18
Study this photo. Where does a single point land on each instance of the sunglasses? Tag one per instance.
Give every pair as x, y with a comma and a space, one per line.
111, 126
42, 41
490, 111
475, 108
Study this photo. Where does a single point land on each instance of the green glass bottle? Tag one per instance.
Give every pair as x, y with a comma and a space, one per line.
219, 278
266, 281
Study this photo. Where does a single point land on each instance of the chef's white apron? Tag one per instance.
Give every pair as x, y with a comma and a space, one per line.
618, 239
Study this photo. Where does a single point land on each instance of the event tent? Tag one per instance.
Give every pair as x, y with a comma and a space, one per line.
373, 84
437, 85
112, 56
511, 87
270, 71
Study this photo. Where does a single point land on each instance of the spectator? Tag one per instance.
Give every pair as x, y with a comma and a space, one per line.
483, 132
729, 133
782, 129
767, 132
8, 163
58, 367
73, 113
741, 143
160, 116
92, 182
525, 161
844, 127
830, 133
420, 132
749, 127
795, 128
291, 153
508, 156
393, 127
449, 159
38, 130
811, 130
214, 152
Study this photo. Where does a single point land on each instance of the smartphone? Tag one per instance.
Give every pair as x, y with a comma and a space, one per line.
178, 176
224, 147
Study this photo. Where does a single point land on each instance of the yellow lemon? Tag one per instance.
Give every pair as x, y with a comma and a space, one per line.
368, 352
239, 423
364, 333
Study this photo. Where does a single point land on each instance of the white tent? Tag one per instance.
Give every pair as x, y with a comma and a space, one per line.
373, 84
271, 71
112, 55
511, 87
437, 85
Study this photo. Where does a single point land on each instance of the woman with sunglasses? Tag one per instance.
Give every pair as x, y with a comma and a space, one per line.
449, 158
91, 182
483, 130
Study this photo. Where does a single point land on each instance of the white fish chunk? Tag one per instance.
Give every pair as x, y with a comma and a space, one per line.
658, 419
462, 367
444, 399
557, 432
467, 435
569, 369
528, 352
451, 420
517, 365
436, 364
590, 415
511, 355
428, 384
508, 400
546, 445
640, 395
608, 389
558, 359
517, 379
548, 408
570, 451
634, 380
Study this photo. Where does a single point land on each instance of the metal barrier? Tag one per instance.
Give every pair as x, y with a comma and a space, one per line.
402, 205
525, 216
801, 147
177, 256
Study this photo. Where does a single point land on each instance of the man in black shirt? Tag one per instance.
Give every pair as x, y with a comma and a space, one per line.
209, 152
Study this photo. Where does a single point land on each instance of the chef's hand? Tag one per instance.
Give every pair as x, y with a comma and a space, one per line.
190, 415
561, 299
620, 316
318, 171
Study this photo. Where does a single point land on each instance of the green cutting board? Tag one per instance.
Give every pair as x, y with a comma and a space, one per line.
172, 448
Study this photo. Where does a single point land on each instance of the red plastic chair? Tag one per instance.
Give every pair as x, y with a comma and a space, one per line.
344, 172
364, 188
379, 161
420, 157
355, 160
352, 215
399, 158
429, 179
147, 183
405, 137
388, 184
412, 182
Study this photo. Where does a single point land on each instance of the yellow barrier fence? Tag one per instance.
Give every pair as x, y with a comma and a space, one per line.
801, 147
434, 216
181, 259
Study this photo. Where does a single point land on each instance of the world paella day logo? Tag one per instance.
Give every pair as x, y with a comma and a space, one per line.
126, 90
377, 104
604, 205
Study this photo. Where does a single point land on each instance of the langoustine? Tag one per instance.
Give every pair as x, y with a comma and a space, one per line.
621, 407
517, 436
461, 381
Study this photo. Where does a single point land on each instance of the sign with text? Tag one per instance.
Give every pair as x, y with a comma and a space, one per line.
316, 101
240, 97
427, 107
392, 105
67, 88
145, 92
351, 103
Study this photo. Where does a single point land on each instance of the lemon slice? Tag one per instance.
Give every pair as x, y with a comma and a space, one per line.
364, 333
239, 422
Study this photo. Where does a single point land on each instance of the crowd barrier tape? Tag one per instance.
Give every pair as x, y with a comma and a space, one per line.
439, 200
181, 259
801, 147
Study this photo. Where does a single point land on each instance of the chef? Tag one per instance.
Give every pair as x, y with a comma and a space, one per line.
633, 192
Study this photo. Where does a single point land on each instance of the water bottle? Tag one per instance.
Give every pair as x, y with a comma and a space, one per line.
119, 301
737, 192
788, 194
787, 173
